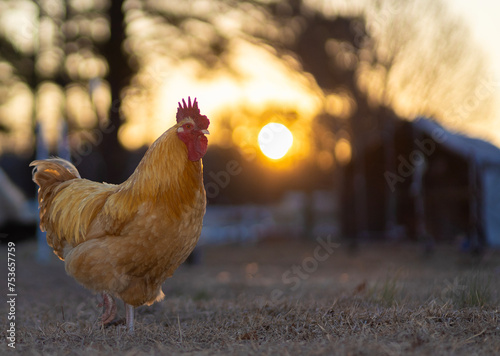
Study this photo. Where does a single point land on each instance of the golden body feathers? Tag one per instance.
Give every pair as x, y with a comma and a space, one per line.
125, 239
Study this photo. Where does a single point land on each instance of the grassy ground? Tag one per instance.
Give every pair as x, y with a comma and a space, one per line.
276, 298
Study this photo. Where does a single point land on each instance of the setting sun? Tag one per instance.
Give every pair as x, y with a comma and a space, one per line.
275, 140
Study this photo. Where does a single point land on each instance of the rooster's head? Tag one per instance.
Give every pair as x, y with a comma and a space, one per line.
192, 128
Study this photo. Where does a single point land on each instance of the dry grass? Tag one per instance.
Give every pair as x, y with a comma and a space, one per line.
383, 300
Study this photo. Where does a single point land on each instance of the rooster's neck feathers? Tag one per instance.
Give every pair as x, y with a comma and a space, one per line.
165, 174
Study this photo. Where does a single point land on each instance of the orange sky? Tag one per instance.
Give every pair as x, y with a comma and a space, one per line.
483, 17
270, 81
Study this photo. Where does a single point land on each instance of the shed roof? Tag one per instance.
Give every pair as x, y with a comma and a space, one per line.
483, 152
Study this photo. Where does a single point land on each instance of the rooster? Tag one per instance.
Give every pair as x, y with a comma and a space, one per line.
125, 240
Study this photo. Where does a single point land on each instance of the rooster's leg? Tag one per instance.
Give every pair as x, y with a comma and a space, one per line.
129, 317
109, 311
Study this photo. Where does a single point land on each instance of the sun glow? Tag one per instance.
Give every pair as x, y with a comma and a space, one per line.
271, 85
275, 140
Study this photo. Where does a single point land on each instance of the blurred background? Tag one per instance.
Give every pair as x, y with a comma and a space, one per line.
368, 119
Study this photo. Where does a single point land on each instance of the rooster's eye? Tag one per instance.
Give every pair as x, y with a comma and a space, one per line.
188, 126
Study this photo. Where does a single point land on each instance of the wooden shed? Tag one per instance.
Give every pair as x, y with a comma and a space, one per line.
430, 184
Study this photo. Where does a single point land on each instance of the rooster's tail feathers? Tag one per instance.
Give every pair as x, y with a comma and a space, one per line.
49, 174
53, 170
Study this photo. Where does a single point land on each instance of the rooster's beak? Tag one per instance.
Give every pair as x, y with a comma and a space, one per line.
205, 132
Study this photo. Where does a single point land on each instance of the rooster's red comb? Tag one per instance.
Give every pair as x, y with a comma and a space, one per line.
192, 111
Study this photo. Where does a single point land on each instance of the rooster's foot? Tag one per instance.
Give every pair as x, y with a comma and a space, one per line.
109, 311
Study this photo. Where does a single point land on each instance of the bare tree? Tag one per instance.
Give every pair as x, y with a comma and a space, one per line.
423, 61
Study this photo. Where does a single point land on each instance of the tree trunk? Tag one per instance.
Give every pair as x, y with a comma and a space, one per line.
119, 76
